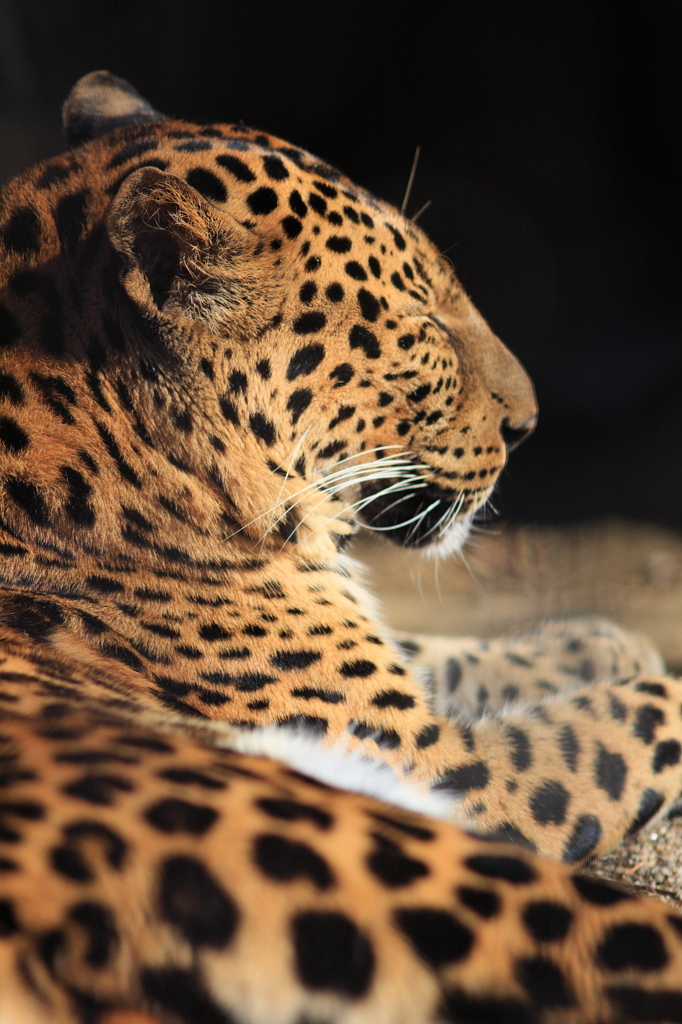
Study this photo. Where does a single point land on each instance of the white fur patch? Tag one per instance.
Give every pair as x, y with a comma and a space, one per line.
343, 769
451, 540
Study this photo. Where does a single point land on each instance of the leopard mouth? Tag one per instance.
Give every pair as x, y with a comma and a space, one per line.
414, 517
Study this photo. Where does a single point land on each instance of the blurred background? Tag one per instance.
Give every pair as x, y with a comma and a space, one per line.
550, 157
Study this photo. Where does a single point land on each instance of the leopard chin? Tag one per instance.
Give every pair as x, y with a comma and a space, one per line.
450, 540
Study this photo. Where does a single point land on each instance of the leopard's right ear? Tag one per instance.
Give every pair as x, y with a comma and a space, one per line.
100, 102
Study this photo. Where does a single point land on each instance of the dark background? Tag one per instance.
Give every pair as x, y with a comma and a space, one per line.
550, 152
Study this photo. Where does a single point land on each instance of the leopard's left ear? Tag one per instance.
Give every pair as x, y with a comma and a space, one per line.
180, 257
100, 102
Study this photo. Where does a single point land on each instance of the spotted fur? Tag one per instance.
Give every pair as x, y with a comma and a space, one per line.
220, 358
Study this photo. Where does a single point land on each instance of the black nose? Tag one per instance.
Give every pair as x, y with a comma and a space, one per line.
513, 436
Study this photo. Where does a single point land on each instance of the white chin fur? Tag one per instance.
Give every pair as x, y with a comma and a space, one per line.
450, 541
343, 769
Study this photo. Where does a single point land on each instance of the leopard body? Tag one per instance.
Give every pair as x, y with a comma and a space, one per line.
229, 793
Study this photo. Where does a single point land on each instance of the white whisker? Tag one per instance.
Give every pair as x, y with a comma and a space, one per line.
356, 506
401, 475
359, 505
398, 526
421, 210
399, 484
410, 181
315, 485
304, 434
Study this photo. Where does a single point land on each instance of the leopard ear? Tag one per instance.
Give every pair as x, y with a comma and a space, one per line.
99, 102
179, 256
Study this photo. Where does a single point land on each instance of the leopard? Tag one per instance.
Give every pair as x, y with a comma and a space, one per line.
229, 793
